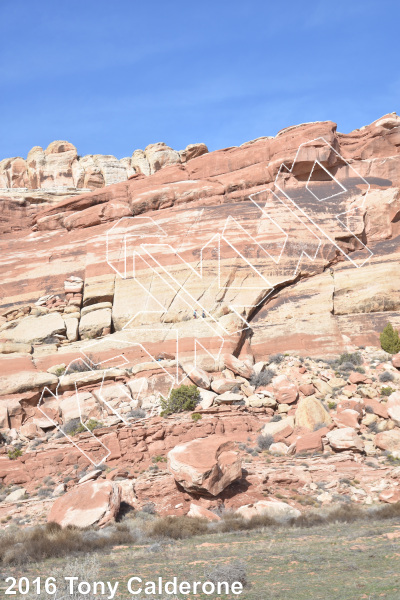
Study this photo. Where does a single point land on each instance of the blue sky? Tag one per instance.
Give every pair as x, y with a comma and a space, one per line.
113, 76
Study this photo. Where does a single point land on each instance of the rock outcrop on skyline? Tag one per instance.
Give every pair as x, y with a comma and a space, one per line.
58, 172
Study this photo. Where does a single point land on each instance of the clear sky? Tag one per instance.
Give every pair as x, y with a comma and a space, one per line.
111, 76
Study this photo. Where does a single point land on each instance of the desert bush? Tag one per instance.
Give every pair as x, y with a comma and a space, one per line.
158, 458
331, 404
196, 417
265, 441
353, 358
91, 424
75, 426
390, 340
276, 358
13, 454
263, 378
181, 399
149, 508
70, 426
178, 528
276, 418
346, 366
373, 427
386, 391
369, 409
386, 376
86, 569
51, 541
44, 492
51, 339
229, 573
137, 413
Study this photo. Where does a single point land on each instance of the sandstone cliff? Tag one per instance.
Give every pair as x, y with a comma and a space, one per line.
200, 267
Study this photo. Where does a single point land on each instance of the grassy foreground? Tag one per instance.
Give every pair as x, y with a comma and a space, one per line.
333, 561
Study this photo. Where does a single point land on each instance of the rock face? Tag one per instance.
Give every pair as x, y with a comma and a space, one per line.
205, 466
90, 503
200, 267
224, 271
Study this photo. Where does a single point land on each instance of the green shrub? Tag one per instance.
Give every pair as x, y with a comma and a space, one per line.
390, 340
386, 391
181, 399
196, 416
91, 425
13, 454
159, 458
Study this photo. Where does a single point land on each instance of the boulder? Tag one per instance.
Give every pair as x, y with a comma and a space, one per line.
81, 404
367, 391
393, 407
323, 387
95, 323
239, 367
307, 389
396, 360
277, 511
258, 401
113, 395
90, 476
279, 429
15, 347
222, 385
24, 381
36, 329
311, 412
4, 421
193, 151
72, 380
72, 325
197, 375
348, 418
345, 438
31, 431
378, 407
205, 465
207, 398
286, 392
311, 442
357, 378
202, 513
228, 398
278, 448
388, 440
16, 496
391, 496
91, 503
